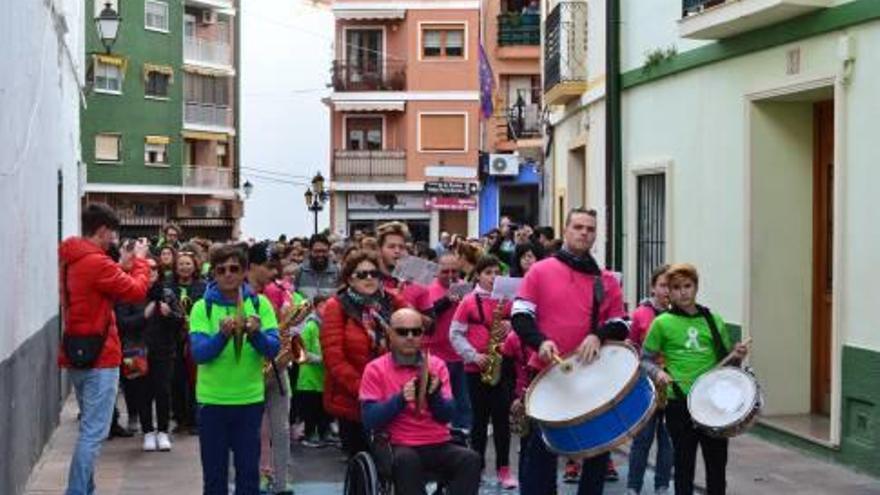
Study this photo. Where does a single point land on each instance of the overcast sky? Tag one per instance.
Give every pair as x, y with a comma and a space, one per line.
286, 53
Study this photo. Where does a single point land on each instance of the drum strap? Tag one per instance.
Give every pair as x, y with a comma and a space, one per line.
598, 296
720, 350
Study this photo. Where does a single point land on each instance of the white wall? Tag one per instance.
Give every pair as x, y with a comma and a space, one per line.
781, 138
697, 119
39, 135
647, 25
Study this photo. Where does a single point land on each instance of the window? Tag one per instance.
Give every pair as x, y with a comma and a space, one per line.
443, 132
108, 77
364, 133
651, 228
156, 15
156, 150
206, 89
157, 84
107, 147
443, 41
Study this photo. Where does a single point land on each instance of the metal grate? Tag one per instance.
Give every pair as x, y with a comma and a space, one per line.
565, 44
651, 234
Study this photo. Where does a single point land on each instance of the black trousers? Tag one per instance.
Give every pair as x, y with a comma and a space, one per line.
183, 394
490, 403
685, 439
453, 465
353, 437
158, 392
311, 409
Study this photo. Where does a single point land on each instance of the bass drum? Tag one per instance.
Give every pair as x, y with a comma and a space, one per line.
725, 402
584, 410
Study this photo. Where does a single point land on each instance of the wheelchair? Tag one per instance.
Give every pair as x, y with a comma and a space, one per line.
362, 478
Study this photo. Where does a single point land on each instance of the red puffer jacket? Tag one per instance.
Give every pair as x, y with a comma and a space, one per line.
345, 347
94, 284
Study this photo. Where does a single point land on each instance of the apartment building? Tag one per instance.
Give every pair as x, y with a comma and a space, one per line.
160, 123
405, 116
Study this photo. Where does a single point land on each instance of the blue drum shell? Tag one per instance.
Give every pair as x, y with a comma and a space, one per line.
599, 434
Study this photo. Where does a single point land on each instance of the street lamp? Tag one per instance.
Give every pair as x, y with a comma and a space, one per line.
316, 196
107, 23
248, 188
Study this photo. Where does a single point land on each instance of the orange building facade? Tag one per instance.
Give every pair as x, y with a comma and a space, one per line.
405, 111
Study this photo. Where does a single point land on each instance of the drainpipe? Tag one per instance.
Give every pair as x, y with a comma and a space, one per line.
613, 161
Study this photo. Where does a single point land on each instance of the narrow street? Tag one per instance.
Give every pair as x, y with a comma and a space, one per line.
756, 467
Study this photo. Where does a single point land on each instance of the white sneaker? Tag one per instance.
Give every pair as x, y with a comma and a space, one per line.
163, 442
150, 442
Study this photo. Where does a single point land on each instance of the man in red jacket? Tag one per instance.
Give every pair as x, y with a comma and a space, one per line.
91, 283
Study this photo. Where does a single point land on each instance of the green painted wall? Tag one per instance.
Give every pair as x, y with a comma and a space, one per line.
860, 434
131, 113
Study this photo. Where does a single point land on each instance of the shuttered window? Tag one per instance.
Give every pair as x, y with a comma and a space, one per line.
107, 147
651, 235
445, 132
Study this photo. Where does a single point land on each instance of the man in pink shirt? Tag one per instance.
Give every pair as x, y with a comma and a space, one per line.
565, 304
419, 437
443, 306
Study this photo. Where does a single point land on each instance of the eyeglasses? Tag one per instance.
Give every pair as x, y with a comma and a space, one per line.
365, 274
230, 269
408, 332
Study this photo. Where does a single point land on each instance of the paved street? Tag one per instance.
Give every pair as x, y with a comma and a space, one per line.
756, 467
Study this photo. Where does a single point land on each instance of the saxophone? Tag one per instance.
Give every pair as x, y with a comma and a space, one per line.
491, 374
291, 348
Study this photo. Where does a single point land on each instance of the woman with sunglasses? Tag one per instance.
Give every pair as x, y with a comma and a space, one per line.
352, 335
470, 333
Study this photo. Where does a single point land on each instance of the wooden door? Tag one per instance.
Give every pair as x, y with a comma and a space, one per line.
823, 235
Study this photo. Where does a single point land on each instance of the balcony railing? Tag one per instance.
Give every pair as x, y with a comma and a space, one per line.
207, 114
207, 177
523, 121
384, 75
367, 165
693, 6
519, 29
565, 44
208, 52
720, 19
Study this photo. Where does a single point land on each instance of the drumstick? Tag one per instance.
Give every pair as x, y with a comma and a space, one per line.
565, 365
726, 360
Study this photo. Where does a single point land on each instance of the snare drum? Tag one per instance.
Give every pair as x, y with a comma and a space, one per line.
725, 402
588, 409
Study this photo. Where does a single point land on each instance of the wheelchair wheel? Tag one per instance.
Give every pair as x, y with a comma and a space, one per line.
361, 477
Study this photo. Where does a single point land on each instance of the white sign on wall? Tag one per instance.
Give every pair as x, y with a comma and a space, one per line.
386, 201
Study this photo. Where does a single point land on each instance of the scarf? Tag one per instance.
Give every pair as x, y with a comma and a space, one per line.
373, 312
585, 264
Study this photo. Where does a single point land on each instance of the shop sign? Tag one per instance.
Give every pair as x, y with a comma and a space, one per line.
386, 201
451, 203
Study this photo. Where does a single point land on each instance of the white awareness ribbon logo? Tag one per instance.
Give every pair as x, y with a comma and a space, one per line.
693, 341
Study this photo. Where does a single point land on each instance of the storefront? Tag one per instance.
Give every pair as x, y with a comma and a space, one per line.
366, 211
516, 196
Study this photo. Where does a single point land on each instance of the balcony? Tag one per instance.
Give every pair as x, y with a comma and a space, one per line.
211, 4
519, 29
207, 177
565, 53
369, 165
523, 122
207, 115
719, 19
205, 52
382, 76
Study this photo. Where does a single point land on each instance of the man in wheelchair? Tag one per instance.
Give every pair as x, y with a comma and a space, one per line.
407, 400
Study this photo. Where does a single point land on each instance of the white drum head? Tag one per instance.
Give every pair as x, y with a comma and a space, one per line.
558, 396
722, 397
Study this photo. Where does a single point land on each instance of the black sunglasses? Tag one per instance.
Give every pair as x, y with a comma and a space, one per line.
365, 274
408, 332
224, 269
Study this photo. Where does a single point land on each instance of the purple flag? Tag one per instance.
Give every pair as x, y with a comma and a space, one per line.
487, 85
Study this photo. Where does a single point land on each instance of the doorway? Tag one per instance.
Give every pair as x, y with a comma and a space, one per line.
454, 222
790, 259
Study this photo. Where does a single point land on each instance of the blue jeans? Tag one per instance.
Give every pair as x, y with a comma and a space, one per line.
538, 468
95, 391
462, 419
638, 454
235, 428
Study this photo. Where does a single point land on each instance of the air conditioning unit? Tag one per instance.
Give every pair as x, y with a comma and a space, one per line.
209, 17
504, 165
